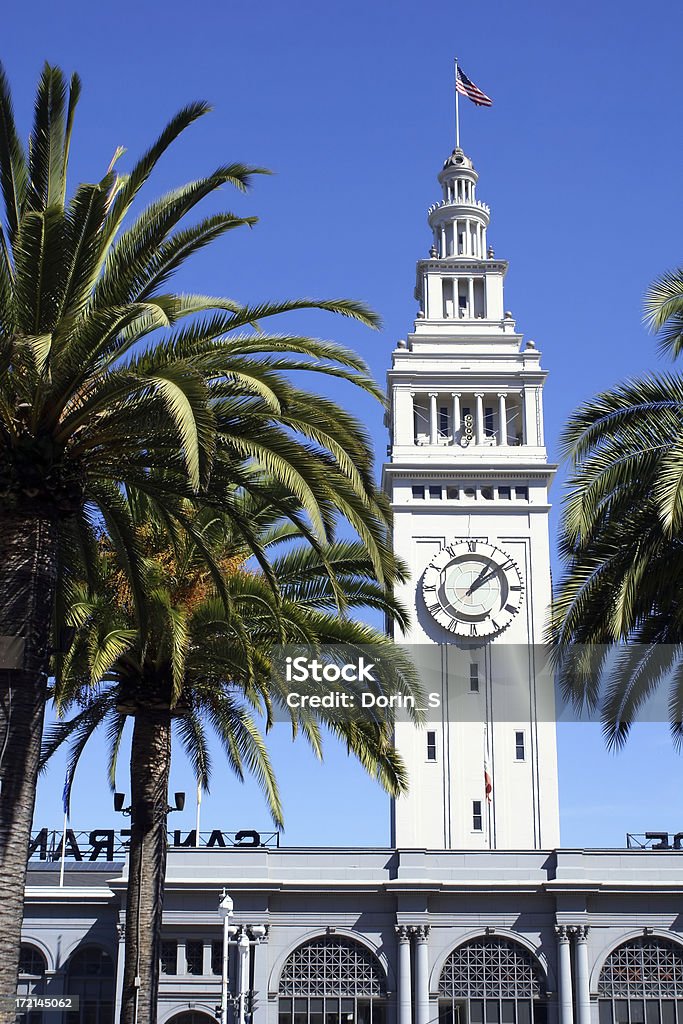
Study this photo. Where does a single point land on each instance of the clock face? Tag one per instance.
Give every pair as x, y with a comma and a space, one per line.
473, 589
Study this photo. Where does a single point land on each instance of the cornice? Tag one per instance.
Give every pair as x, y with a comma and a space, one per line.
399, 470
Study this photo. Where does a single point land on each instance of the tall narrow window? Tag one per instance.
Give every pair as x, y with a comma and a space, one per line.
431, 746
169, 957
443, 421
474, 678
477, 820
520, 752
488, 421
216, 957
194, 956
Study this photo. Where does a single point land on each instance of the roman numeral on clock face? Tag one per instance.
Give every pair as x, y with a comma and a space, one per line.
471, 545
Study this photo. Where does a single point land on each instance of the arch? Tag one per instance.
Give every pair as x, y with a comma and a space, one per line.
492, 978
316, 935
623, 940
31, 977
69, 950
91, 960
198, 1015
333, 978
31, 946
39, 945
501, 933
91, 975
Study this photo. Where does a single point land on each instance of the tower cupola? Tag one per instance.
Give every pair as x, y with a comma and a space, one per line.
459, 221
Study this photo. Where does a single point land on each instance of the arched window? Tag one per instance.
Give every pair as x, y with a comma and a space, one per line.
192, 1017
32, 968
641, 982
90, 976
332, 981
491, 981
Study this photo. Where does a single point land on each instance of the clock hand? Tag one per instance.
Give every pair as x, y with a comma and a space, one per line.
473, 585
479, 582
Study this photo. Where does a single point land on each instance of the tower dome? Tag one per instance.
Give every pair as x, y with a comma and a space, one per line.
458, 159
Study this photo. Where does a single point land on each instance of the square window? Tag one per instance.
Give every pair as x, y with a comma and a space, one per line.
453, 493
522, 493
504, 492
435, 491
520, 752
431, 746
418, 491
474, 679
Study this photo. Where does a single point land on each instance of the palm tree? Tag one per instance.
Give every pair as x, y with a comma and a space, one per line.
617, 622
112, 386
199, 666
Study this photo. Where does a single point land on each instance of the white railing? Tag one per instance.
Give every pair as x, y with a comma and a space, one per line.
477, 203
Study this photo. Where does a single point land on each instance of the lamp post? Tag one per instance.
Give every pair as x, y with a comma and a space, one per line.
243, 951
225, 909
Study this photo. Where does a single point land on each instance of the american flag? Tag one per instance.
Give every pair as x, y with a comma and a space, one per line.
488, 781
467, 88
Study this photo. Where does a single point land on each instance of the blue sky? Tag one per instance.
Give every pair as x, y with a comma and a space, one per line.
352, 106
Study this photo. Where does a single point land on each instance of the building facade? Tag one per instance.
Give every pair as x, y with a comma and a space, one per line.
473, 915
378, 936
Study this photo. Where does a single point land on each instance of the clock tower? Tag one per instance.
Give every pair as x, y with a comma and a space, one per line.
468, 475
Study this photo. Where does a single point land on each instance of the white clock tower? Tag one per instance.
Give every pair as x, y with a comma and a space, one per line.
468, 479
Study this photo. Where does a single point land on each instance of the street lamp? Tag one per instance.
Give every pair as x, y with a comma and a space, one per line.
225, 909
243, 952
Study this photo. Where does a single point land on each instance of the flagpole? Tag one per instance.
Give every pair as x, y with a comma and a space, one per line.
61, 868
457, 108
199, 805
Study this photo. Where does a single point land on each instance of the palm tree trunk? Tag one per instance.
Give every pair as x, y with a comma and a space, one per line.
28, 572
150, 765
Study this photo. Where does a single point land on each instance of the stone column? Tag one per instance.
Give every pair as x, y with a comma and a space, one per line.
456, 416
405, 999
421, 974
502, 420
564, 974
444, 251
260, 955
583, 998
468, 239
470, 297
120, 957
479, 419
433, 425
